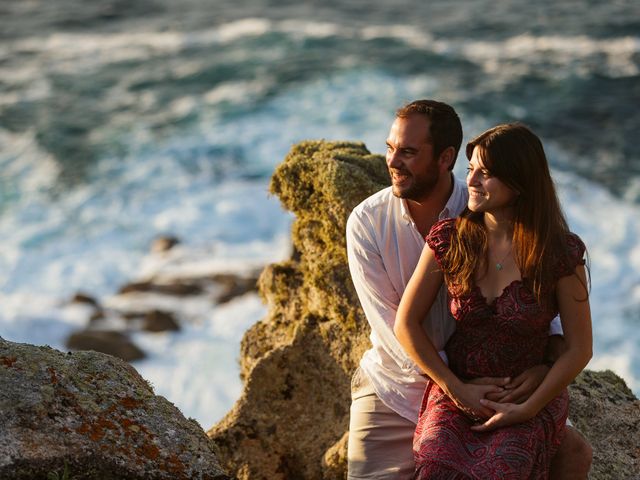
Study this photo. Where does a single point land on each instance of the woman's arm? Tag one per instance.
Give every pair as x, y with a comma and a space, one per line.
575, 315
415, 304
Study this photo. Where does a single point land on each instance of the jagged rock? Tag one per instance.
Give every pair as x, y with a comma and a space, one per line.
164, 244
96, 317
159, 321
608, 414
95, 414
291, 419
297, 362
234, 286
105, 341
84, 298
178, 288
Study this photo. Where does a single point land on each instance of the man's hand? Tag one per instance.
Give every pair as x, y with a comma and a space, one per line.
555, 347
505, 414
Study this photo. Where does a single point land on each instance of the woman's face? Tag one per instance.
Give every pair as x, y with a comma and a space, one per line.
486, 193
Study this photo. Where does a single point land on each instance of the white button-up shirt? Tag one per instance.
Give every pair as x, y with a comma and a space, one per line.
383, 248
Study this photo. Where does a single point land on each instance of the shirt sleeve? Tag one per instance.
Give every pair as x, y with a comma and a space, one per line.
555, 328
378, 297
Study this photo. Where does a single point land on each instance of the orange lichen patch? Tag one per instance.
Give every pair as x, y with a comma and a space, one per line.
131, 427
96, 430
8, 361
174, 465
83, 429
129, 402
149, 451
54, 377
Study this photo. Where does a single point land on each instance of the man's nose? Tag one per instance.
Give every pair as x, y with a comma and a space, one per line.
393, 159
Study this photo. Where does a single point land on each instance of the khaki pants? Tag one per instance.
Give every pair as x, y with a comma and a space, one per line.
380, 441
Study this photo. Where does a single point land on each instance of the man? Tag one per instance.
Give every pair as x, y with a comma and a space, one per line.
385, 236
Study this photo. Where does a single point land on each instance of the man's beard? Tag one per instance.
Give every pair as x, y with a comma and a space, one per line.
420, 187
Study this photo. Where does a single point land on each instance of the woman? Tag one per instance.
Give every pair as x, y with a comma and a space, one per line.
510, 265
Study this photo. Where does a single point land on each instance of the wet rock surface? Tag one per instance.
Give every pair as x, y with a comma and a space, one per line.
96, 415
146, 302
110, 342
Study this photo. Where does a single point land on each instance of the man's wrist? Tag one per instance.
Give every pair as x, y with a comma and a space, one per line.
547, 362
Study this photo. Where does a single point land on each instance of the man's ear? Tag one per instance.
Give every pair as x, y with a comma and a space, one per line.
447, 158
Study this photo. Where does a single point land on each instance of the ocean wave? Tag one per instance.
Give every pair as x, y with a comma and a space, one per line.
67, 52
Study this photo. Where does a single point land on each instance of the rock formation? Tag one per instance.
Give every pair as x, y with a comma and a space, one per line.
93, 416
291, 419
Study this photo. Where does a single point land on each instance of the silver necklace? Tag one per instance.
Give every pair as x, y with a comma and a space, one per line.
500, 264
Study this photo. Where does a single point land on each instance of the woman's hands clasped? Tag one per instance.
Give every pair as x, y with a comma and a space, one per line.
468, 397
499, 402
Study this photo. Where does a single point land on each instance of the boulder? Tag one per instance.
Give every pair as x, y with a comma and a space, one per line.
177, 288
607, 413
106, 341
93, 416
84, 298
164, 243
232, 285
296, 363
160, 321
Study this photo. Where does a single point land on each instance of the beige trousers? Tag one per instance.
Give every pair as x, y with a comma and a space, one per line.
380, 441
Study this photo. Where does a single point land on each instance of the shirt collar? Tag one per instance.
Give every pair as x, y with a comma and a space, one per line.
457, 200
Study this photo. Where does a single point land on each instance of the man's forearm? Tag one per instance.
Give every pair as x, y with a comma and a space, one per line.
555, 347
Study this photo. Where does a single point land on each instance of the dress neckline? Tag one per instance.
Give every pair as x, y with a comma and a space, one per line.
505, 290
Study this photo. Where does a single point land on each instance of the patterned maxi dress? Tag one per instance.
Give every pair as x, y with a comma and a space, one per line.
499, 339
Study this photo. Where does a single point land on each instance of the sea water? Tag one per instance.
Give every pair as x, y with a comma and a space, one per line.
117, 127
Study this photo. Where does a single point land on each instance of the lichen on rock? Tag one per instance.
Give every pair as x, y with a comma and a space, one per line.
291, 419
93, 413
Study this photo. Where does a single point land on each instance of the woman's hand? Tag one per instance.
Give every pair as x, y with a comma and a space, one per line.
522, 387
468, 398
505, 414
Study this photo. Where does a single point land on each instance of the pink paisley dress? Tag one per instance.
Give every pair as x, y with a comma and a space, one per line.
501, 338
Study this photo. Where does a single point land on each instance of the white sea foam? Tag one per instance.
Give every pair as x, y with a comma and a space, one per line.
96, 236
70, 53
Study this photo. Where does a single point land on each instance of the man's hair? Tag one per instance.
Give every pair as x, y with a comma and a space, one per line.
445, 129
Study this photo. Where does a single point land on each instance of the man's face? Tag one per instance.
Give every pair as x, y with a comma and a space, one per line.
414, 172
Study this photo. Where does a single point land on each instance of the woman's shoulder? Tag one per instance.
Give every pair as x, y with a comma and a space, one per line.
573, 254
439, 236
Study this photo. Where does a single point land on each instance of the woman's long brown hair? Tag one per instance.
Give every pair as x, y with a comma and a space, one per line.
514, 154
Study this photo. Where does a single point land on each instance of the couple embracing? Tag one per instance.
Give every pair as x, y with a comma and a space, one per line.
477, 299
